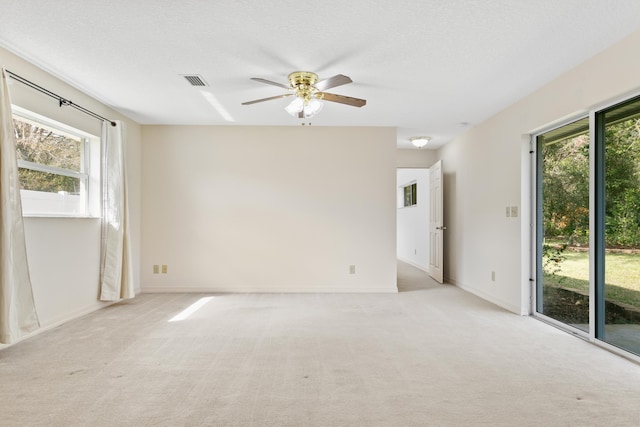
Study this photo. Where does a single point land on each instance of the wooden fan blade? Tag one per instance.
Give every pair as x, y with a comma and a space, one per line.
354, 102
337, 80
269, 82
267, 99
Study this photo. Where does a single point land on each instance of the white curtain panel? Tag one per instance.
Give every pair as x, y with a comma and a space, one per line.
116, 267
17, 308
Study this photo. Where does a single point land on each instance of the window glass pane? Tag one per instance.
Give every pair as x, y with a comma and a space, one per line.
563, 218
47, 146
54, 167
410, 195
48, 182
622, 226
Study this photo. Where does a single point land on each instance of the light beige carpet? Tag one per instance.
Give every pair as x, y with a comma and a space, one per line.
435, 356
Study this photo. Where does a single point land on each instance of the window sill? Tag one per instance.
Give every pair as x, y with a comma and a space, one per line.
59, 216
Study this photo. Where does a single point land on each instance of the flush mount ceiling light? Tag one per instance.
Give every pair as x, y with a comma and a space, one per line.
420, 141
309, 93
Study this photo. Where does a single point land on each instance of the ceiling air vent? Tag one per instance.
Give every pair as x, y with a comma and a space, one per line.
195, 79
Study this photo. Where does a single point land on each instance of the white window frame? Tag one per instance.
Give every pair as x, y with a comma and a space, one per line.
402, 198
43, 204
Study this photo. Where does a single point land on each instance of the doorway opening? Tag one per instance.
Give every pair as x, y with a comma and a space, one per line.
412, 219
420, 228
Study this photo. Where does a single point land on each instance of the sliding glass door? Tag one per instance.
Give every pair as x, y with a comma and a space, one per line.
618, 225
588, 225
563, 224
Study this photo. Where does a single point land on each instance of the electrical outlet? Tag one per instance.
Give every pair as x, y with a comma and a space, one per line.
164, 268
352, 269
156, 269
514, 211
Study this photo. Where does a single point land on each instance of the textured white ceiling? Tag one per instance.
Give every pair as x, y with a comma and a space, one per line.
424, 66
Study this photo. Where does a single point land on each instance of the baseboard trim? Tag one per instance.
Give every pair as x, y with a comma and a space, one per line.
273, 290
78, 313
490, 298
60, 320
413, 264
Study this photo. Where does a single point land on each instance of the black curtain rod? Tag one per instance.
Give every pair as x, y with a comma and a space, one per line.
62, 101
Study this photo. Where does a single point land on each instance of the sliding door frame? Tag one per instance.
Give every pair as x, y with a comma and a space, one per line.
597, 205
538, 224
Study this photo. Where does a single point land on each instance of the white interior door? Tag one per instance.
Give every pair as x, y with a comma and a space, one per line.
436, 227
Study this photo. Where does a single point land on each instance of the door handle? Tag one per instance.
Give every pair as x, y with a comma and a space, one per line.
441, 228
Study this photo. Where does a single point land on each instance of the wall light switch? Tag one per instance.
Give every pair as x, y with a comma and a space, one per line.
508, 211
352, 269
156, 269
514, 211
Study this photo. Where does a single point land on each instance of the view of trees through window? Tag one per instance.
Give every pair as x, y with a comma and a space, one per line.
47, 157
622, 163
565, 223
564, 191
621, 229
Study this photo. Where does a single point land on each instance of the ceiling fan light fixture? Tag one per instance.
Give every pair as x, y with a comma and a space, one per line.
308, 108
420, 141
309, 93
312, 107
295, 107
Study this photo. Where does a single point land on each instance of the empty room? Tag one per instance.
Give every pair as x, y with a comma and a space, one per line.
364, 213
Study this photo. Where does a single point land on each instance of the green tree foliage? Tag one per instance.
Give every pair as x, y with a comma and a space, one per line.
566, 186
622, 158
43, 146
552, 258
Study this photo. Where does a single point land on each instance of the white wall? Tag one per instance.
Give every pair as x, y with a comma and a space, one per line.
413, 221
64, 264
269, 209
63, 253
487, 169
415, 157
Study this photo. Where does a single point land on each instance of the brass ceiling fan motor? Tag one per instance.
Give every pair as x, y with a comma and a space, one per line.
303, 83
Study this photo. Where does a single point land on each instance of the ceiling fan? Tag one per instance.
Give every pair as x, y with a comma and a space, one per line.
309, 92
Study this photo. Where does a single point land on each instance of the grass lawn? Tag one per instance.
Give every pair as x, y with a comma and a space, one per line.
622, 276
